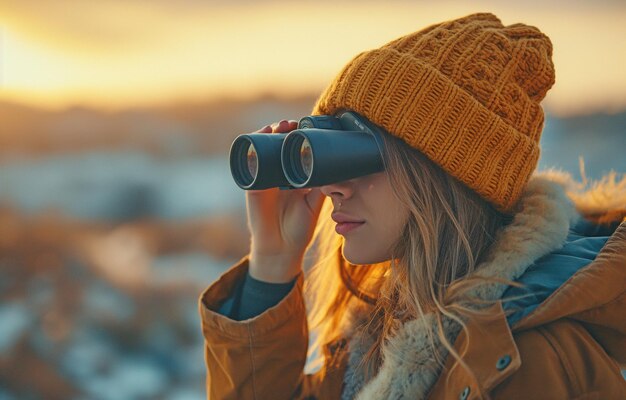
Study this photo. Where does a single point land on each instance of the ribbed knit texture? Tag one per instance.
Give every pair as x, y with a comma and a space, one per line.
465, 93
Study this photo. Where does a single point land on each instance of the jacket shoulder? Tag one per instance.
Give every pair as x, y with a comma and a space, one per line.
562, 360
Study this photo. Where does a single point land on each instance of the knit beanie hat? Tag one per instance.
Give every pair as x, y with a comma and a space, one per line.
464, 92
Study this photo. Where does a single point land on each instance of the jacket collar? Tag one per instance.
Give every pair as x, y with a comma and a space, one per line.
540, 225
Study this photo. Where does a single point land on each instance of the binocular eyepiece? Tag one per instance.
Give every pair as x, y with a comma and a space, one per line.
324, 149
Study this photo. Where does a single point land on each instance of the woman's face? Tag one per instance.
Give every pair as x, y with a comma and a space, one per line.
370, 201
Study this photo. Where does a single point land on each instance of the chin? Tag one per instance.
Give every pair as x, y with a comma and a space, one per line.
359, 257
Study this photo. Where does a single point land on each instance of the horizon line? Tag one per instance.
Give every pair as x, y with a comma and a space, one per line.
192, 100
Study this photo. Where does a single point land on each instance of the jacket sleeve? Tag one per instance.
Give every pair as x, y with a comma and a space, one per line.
262, 357
252, 297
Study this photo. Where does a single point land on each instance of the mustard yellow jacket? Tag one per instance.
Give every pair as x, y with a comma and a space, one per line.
571, 345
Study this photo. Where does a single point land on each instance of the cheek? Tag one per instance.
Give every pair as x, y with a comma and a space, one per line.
386, 222
391, 226
373, 244
401, 218
392, 217
389, 213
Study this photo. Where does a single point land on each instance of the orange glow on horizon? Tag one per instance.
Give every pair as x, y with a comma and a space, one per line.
117, 54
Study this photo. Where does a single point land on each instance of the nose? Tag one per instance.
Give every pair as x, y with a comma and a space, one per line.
338, 191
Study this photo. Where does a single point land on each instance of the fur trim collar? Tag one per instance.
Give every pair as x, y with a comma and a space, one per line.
593, 198
550, 204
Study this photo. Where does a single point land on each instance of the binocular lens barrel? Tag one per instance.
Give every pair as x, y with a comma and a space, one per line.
243, 162
255, 161
297, 159
316, 157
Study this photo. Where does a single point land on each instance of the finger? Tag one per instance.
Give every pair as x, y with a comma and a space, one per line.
281, 127
261, 203
293, 125
262, 198
265, 129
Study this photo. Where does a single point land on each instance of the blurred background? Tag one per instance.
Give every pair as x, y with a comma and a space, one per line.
116, 203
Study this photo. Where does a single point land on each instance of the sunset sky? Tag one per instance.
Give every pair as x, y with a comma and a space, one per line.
113, 53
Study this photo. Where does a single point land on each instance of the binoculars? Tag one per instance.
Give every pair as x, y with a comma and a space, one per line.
324, 149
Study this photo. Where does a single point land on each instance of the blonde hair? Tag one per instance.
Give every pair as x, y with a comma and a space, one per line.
447, 234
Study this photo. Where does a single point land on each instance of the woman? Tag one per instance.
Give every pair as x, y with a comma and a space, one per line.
458, 271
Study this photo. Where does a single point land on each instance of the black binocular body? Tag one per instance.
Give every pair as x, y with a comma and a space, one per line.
324, 149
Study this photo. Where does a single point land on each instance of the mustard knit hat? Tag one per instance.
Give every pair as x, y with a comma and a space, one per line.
465, 93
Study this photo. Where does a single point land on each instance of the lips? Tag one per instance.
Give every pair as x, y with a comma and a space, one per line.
341, 218
345, 222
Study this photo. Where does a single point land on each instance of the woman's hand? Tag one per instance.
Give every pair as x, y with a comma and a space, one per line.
281, 223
